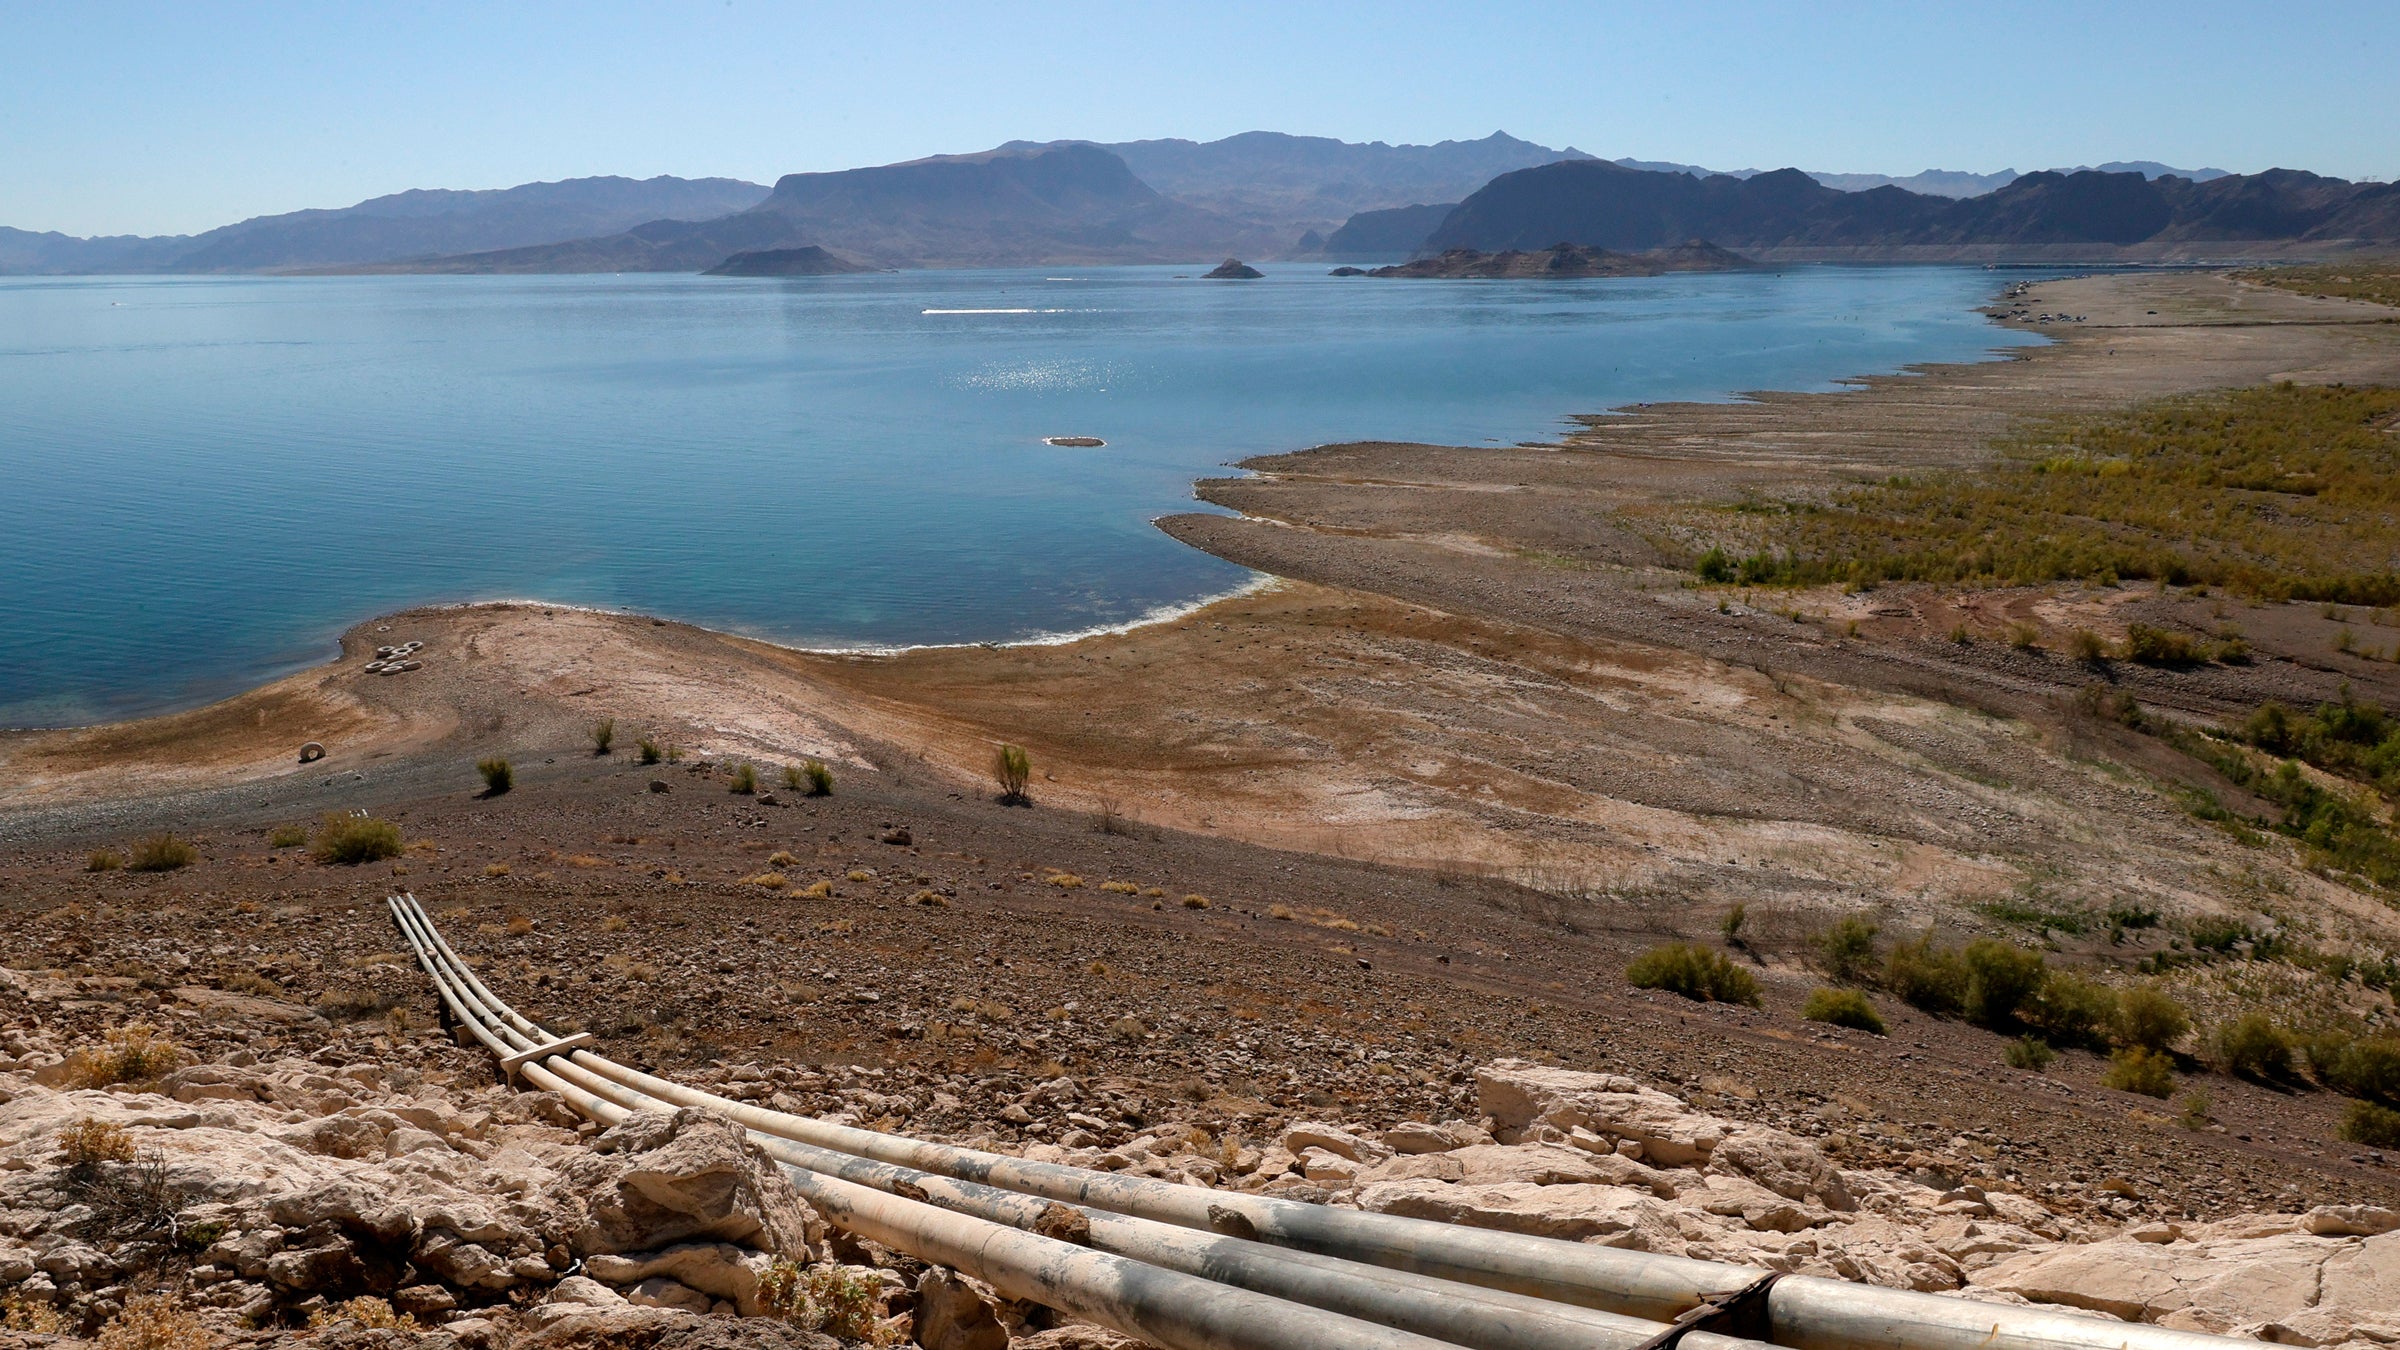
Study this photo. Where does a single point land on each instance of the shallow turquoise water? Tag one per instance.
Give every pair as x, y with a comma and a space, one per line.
203, 480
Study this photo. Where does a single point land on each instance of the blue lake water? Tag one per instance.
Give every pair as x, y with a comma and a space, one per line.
203, 480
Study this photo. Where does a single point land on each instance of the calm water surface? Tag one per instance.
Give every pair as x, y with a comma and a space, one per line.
202, 481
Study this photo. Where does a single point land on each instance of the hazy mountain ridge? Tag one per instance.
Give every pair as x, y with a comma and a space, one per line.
417, 223
1070, 203
1606, 205
1931, 182
1296, 183
1257, 194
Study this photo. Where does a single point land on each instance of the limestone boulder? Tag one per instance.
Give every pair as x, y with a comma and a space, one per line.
573, 1327
1783, 1163
1612, 1216
1523, 1097
952, 1314
2292, 1286
717, 1269
1411, 1137
1300, 1138
685, 1176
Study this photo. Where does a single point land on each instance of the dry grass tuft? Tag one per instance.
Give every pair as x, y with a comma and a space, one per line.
162, 853
19, 1312
351, 840
89, 1143
156, 1322
773, 881
134, 1053
367, 1311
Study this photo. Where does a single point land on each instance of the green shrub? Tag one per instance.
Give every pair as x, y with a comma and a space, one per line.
2085, 645
2134, 1069
2377, 280
604, 735
648, 749
2030, 1053
287, 836
2000, 977
1732, 926
2160, 647
162, 853
745, 780
2372, 1125
351, 840
2071, 1010
1926, 976
2368, 1067
2254, 1047
1012, 768
103, 860
1698, 973
1848, 950
819, 776
1715, 567
497, 776
2217, 933
2283, 491
2322, 1049
2195, 1109
2148, 1019
1843, 1008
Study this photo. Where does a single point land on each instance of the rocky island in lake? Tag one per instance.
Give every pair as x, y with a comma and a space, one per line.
1568, 260
807, 261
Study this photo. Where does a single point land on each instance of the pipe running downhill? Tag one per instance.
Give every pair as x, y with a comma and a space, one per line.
1184, 1266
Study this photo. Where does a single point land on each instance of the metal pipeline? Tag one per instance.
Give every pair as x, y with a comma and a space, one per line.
1166, 1307
1807, 1313
1465, 1315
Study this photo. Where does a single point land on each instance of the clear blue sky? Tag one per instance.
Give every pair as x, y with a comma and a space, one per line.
169, 118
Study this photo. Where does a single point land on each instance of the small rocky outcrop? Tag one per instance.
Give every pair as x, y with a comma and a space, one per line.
276, 1188
1234, 269
1566, 261
809, 261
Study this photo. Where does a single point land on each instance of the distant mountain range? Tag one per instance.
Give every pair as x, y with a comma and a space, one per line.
1068, 203
2038, 215
1292, 184
403, 225
1258, 195
1933, 182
